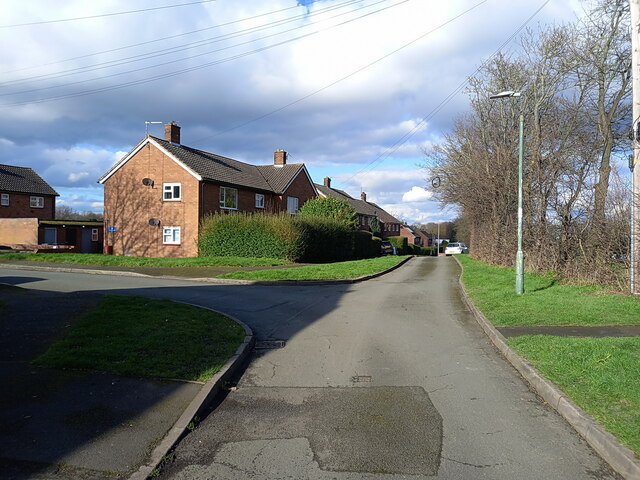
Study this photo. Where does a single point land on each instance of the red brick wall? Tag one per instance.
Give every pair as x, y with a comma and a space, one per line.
300, 188
246, 200
20, 207
129, 205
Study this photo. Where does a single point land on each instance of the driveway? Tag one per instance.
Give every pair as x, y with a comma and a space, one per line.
385, 379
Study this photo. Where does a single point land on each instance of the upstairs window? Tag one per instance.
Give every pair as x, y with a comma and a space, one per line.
36, 202
171, 192
292, 205
228, 198
4, 199
259, 200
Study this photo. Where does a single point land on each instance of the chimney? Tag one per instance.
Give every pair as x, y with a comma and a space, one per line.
280, 158
172, 133
327, 182
363, 197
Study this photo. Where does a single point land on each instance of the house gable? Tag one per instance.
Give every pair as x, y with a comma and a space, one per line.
137, 148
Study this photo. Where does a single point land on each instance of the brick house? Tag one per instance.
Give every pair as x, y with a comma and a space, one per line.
389, 225
24, 194
157, 194
28, 212
410, 234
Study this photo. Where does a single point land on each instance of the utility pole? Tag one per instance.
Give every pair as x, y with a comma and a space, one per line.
634, 163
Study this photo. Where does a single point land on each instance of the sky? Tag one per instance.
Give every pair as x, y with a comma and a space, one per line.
354, 89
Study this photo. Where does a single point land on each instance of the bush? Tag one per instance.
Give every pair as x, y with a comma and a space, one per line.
245, 235
323, 240
365, 245
330, 208
401, 244
297, 239
429, 251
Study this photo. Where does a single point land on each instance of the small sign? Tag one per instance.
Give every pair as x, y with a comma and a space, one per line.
112, 229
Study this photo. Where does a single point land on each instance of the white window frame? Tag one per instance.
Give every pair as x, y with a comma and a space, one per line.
224, 196
293, 205
4, 200
171, 235
94, 235
36, 202
259, 200
170, 189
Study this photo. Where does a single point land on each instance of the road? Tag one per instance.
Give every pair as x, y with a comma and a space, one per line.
389, 378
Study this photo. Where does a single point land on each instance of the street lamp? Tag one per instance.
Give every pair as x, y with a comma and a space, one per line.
519, 254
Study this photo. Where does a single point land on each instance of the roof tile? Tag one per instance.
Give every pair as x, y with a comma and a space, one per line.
23, 180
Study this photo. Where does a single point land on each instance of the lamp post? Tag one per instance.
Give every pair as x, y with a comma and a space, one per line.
519, 254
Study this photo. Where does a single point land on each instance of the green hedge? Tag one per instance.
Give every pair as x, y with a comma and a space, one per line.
401, 244
365, 245
244, 235
429, 251
298, 239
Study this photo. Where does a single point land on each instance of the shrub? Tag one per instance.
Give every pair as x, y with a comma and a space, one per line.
330, 208
365, 245
401, 244
297, 239
323, 240
429, 251
413, 249
247, 235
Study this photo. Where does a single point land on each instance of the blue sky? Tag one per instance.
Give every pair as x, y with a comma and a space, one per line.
337, 84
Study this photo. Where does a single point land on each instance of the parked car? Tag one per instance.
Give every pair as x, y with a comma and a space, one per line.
387, 249
456, 248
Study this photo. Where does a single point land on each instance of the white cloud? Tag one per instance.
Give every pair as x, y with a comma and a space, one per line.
74, 177
353, 125
416, 194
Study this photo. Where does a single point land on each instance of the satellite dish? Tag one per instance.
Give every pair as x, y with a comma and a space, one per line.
148, 182
154, 222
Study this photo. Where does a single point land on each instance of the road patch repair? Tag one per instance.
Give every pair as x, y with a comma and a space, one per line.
366, 429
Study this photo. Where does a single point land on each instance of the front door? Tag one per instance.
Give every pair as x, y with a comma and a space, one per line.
50, 236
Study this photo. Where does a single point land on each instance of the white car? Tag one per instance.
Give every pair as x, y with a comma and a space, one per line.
456, 248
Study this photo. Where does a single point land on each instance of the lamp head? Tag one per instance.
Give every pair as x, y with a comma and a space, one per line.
505, 94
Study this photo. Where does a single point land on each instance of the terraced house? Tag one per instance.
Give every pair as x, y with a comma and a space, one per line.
156, 195
367, 211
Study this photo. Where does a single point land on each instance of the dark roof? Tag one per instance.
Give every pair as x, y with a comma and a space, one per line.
216, 168
23, 180
360, 206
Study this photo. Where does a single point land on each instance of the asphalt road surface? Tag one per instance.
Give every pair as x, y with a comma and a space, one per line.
389, 378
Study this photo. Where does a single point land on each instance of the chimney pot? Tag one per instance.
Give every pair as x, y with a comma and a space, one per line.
172, 132
280, 157
327, 182
363, 196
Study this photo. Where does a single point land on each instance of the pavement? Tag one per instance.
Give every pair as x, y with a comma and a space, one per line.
90, 425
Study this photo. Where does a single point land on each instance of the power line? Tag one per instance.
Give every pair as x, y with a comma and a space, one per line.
171, 37
104, 15
389, 151
355, 72
189, 69
176, 49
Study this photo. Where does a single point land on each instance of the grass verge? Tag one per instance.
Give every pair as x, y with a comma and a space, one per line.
145, 337
325, 271
545, 301
601, 375
120, 261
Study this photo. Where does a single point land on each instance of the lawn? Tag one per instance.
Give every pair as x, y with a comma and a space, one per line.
325, 271
602, 375
145, 337
546, 301
120, 261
